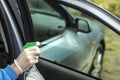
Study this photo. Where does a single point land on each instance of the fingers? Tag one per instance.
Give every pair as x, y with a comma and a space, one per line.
35, 61
32, 60
32, 54
28, 57
32, 50
36, 57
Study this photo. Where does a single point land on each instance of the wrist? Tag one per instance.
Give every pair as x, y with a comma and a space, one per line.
15, 68
18, 66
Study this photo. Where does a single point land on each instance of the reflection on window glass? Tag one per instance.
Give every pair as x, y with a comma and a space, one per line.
41, 6
47, 21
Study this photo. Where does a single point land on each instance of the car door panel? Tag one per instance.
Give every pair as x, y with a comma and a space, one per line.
51, 71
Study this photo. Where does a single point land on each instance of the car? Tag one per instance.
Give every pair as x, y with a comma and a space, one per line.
76, 45
71, 34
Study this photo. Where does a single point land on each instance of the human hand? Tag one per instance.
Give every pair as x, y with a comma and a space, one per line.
28, 57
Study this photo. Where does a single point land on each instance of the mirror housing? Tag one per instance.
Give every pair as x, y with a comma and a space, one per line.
82, 25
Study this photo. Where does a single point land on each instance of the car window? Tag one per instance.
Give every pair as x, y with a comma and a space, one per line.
64, 45
47, 22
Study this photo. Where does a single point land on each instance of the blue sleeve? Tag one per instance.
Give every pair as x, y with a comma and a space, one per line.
8, 74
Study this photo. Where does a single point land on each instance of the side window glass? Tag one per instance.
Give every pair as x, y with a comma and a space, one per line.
69, 46
47, 21
73, 47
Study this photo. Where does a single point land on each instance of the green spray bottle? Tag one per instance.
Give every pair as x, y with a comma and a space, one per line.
31, 44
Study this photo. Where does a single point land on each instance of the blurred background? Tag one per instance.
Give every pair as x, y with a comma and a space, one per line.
111, 63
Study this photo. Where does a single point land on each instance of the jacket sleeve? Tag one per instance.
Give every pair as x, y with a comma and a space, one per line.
8, 74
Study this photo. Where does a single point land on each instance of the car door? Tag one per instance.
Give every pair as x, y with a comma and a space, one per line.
11, 33
52, 70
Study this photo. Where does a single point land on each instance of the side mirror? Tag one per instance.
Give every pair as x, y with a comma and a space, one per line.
83, 25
